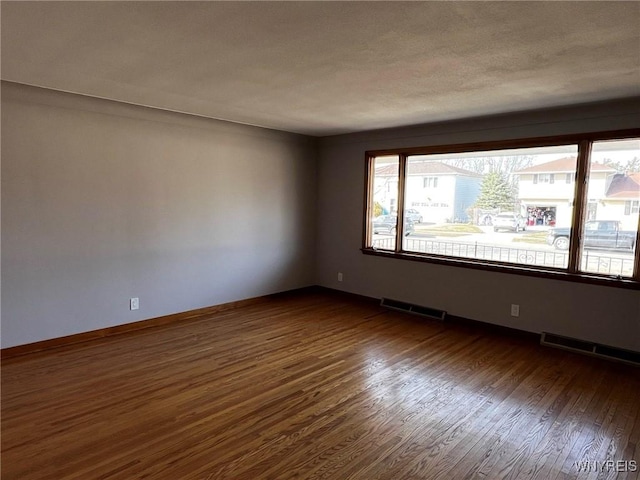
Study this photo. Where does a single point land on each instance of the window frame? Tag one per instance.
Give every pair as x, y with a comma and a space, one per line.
544, 178
631, 207
583, 141
430, 182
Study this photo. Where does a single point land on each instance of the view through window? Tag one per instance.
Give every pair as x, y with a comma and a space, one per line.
613, 193
384, 202
513, 206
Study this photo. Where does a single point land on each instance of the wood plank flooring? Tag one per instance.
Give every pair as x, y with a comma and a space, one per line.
317, 386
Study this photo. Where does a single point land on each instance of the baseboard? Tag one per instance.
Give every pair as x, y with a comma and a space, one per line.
414, 309
450, 319
494, 328
349, 295
20, 350
592, 349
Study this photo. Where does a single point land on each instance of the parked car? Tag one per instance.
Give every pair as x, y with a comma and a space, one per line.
388, 223
509, 221
413, 215
597, 234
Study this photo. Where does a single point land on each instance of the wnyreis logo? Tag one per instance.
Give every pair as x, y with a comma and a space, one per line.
588, 466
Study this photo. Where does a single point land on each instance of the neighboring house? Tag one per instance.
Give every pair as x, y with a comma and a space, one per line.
440, 192
547, 190
622, 200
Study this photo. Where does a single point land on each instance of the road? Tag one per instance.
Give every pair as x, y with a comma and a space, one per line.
507, 247
510, 239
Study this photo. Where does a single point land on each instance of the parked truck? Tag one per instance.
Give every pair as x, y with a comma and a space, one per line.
597, 234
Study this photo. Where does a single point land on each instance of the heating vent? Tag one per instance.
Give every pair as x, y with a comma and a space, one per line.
415, 309
590, 348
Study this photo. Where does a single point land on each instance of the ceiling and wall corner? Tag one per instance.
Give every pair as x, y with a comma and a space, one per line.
327, 68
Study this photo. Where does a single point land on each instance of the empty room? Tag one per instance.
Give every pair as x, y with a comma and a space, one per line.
320, 240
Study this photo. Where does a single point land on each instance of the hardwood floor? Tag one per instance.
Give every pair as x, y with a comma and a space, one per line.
317, 386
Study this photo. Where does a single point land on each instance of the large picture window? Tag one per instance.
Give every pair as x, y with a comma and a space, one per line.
501, 206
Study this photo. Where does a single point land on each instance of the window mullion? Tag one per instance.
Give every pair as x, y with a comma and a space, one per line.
636, 269
368, 200
580, 205
402, 171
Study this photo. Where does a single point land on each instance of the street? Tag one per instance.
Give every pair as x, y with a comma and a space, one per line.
528, 247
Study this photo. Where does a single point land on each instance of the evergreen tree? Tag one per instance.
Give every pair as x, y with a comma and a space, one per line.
496, 192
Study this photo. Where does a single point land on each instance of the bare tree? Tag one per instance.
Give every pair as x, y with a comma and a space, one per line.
503, 164
630, 166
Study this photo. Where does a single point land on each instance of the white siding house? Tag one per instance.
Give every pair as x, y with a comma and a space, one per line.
440, 192
550, 187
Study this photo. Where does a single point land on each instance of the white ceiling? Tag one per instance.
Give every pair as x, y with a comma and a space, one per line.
323, 68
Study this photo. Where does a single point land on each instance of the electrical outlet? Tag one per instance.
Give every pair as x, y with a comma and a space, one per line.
515, 310
340, 277
134, 303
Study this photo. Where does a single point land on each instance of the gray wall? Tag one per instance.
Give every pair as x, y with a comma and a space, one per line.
104, 201
603, 314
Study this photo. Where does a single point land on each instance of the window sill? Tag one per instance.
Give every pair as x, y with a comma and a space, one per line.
609, 281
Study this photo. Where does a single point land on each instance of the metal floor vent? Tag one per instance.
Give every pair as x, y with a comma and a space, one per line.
590, 348
415, 309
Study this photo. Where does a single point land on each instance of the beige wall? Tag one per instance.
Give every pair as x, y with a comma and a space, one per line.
104, 201
602, 314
